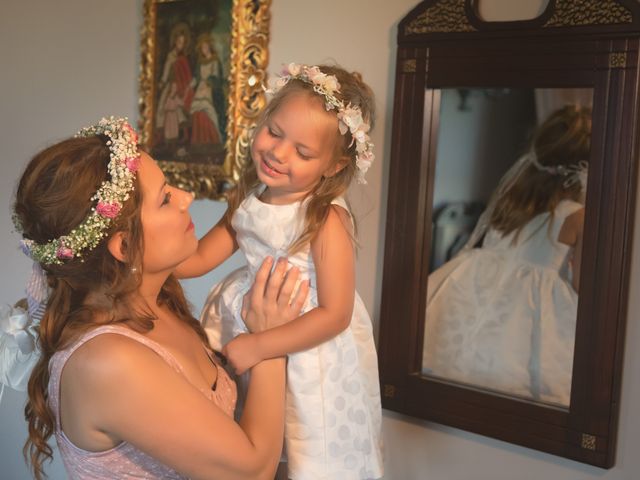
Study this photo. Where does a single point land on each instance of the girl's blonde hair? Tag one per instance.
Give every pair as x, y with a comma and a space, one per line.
563, 139
52, 198
353, 90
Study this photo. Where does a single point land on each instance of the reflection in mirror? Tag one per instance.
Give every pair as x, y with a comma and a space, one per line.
508, 212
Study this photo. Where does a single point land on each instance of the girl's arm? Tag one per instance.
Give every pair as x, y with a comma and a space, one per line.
214, 248
571, 234
333, 256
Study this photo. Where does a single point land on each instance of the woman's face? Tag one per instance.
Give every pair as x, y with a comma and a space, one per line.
180, 41
168, 232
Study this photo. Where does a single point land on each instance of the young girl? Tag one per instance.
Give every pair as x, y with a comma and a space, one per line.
503, 316
310, 143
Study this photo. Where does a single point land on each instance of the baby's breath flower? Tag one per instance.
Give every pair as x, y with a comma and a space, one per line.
110, 197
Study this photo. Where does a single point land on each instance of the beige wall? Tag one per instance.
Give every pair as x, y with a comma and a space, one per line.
69, 62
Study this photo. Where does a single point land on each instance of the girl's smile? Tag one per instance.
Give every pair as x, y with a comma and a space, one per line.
267, 167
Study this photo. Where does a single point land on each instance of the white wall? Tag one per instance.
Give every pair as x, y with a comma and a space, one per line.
69, 62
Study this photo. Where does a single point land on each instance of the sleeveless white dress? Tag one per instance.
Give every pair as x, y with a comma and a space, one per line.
503, 316
333, 411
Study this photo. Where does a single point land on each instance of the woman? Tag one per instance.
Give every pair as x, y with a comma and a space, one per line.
126, 379
205, 128
175, 72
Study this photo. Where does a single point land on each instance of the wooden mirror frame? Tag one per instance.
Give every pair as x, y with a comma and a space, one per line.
574, 43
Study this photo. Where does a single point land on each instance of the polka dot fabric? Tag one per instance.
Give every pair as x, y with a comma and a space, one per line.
333, 413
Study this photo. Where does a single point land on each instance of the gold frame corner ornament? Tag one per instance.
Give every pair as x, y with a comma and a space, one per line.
409, 65
445, 16
389, 391
588, 441
249, 58
617, 59
571, 13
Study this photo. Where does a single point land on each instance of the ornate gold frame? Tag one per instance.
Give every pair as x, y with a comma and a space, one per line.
247, 73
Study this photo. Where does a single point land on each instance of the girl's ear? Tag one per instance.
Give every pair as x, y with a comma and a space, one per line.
338, 166
117, 246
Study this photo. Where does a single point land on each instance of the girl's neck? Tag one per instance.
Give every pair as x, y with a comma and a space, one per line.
272, 197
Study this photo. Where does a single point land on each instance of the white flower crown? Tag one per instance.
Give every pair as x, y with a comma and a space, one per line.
123, 165
349, 116
573, 173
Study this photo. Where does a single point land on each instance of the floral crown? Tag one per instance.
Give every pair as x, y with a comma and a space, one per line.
349, 116
574, 173
123, 165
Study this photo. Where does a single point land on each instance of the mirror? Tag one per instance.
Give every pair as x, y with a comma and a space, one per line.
511, 192
507, 227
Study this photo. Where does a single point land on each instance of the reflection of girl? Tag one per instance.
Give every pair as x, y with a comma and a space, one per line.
173, 115
176, 70
204, 121
503, 316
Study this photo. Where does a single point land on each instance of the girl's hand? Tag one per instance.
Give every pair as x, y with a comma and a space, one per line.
242, 353
266, 305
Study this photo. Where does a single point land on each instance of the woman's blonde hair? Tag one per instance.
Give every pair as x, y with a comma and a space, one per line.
353, 90
52, 198
563, 139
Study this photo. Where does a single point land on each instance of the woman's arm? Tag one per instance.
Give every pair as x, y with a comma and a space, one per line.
129, 393
333, 256
214, 248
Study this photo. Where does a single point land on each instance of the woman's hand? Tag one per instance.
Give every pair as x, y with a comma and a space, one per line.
267, 304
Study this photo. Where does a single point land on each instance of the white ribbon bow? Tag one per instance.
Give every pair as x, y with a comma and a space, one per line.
18, 349
15, 324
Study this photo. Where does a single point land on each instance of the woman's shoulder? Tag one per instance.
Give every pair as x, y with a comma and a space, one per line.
106, 349
110, 361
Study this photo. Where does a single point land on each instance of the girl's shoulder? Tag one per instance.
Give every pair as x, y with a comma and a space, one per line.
566, 208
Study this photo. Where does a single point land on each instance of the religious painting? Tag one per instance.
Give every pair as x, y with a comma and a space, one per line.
202, 70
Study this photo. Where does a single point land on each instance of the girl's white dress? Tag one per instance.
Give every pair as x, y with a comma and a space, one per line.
503, 316
333, 412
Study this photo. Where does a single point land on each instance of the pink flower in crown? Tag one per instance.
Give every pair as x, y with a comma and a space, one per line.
64, 253
281, 82
132, 163
364, 160
108, 210
134, 135
293, 69
315, 75
352, 118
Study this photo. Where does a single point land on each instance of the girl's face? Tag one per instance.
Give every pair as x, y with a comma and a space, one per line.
295, 148
168, 232
205, 49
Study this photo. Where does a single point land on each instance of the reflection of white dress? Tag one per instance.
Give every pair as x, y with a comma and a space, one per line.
333, 413
503, 316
